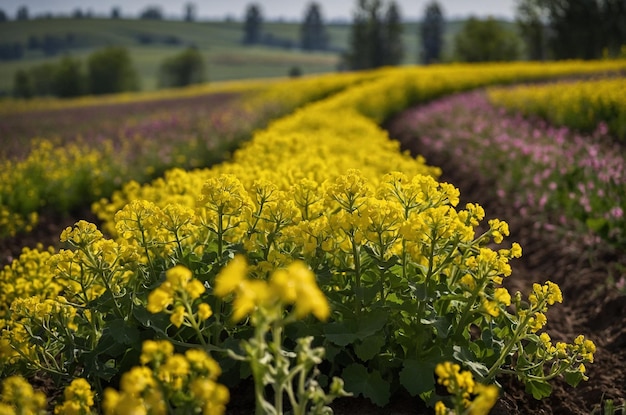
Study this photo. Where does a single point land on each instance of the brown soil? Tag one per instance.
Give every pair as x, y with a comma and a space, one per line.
589, 308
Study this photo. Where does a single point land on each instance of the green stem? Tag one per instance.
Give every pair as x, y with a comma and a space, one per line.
356, 253
507, 349
279, 386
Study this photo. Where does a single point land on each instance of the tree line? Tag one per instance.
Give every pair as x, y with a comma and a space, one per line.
545, 29
106, 71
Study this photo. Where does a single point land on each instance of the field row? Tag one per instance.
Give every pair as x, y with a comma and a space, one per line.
318, 214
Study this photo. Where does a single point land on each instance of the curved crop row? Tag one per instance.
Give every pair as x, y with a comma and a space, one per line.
582, 105
76, 171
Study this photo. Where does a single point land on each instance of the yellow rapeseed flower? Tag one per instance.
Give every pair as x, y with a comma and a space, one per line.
231, 276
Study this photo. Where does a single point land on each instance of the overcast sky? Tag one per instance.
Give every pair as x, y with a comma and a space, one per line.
272, 9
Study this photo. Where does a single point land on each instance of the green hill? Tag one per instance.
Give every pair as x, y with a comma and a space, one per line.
151, 41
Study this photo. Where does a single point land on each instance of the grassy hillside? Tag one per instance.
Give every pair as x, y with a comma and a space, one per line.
151, 41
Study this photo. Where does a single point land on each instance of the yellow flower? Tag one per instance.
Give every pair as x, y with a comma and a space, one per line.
231, 276
178, 316
250, 295
78, 398
178, 276
137, 380
155, 351
502, 296
486, 398
440, 409
204, 311
159, 300
195, 289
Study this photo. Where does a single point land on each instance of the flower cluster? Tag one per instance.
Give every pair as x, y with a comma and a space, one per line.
165, 380
176, 295
467, 396
294, 285
19, 397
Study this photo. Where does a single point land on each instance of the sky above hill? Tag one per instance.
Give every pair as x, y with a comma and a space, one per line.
272, 9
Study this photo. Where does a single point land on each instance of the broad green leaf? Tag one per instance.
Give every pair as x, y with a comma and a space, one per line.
418, 376
371, 385
347, 332
369, 347
539, 389
573, 378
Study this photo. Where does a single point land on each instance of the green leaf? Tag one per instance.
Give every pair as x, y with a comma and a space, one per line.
347, 332
417, 376
369, 347
441, 324
371, 385
341, 333
573, 378
538, 388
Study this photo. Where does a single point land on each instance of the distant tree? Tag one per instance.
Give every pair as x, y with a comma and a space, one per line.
532, 20
33, 42
77, 13
22, 84
577, 29
252, 25
190, 12
11, 51
431, 32
313, 34
295, 72
111, 70
370, 36
52, 45
184, 69
116, 13
581, 29
614, 25
43, 78
152, 13
486, 40
3, 16
22, 13
392, 36
69, 79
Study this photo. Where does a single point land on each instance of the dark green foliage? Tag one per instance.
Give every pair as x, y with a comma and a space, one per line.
42, 77
11, 51
3, 16
22, 13
531, 20
431, 32
582, 29
576, 28
22, 85
295, 72
375, 38
115, 13
184, 69
190, 12
252, 25
69, 79
392, 36
486, 41
313, 34
110, 70
152, 13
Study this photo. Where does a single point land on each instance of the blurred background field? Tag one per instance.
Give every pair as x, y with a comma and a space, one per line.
219, 42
